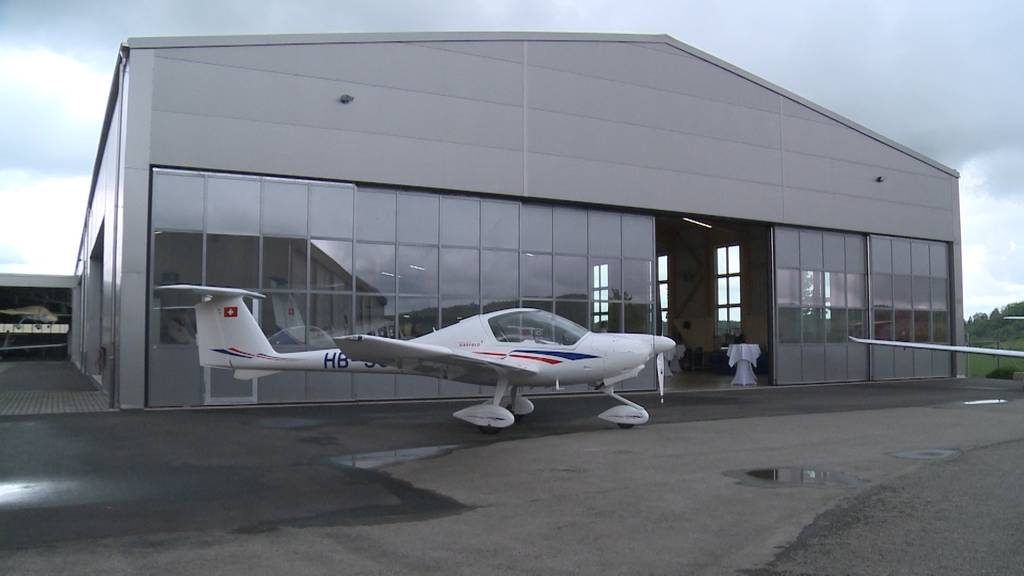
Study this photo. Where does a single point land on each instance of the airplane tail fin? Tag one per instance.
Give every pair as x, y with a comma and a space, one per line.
227, 335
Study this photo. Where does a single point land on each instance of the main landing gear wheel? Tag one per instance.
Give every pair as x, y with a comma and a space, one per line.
489, 430
626, 426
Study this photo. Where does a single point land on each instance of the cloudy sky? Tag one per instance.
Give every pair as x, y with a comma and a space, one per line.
941, 77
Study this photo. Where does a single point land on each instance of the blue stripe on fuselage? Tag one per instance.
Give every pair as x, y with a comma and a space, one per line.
558, 354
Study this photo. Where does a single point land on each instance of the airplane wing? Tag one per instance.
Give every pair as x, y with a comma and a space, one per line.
432, 360
32, 347
943, 347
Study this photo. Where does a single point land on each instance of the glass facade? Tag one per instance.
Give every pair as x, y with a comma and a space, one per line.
334, 259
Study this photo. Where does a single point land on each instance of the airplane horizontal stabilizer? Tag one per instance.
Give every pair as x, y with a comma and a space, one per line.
209, 290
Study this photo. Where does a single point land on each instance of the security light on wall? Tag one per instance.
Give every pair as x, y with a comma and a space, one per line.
880, 179
346, 98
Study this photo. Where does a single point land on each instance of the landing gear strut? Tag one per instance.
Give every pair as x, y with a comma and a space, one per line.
489, 417
627, 414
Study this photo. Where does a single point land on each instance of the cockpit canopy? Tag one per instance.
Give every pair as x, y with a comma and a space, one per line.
535, 326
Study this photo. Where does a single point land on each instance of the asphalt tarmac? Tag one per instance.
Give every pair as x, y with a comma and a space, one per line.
314, 489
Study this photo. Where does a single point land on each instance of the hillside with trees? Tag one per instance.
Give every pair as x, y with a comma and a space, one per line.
994, 327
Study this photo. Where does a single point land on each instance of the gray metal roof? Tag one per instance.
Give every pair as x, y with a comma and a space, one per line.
38, 280
293, 39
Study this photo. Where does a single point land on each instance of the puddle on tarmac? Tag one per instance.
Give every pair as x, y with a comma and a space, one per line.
984, 402
931, 454
371, 460
793, 476
287, 423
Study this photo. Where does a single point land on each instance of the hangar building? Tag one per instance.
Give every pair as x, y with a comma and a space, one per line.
396, 183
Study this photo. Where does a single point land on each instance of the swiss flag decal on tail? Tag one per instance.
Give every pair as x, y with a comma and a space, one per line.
231, 311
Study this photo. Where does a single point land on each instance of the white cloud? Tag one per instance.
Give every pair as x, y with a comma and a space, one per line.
51, 107
42, 222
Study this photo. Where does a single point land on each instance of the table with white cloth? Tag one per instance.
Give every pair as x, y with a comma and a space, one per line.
744, 358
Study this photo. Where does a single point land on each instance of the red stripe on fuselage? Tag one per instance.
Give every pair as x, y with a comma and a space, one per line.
524, 356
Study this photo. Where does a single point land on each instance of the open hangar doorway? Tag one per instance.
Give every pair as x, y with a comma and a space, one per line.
714, 289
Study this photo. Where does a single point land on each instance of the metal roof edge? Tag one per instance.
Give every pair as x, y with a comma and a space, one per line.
38, 280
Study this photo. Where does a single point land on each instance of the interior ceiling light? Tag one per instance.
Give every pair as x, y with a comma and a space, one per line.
415, 267
697, 222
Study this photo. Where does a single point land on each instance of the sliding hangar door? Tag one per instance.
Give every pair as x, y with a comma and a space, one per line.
337, 259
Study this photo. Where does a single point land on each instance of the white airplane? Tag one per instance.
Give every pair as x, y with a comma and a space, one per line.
38, 314
509, 349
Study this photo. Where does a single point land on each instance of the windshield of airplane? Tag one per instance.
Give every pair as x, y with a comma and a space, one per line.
536, 326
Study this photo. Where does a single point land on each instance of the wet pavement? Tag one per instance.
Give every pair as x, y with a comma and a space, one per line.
73, 480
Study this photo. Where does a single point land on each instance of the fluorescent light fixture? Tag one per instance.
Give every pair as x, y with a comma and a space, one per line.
387, 274
697, 222
983, 402
530, 254
415, 267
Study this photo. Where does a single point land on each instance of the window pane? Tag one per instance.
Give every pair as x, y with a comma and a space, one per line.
454, 310
460, 222
638, 318
536, 228
571, 277
940, 260
921, 320
636, 280
500, 227
417, 269
232, 261
330, 315
662, 268
787, 284
232, 205
416, 317
734, 259
605, 233
375, 315
282, 318
490, 305
940, 300
940, 327
605, 273
812, 321
375, 215
177, 201
575, 311
500, 272
284, 263
883, 324
903, 325
606, 316
663, 295
460, 272
835, 326
721, 267
856, 323
284, 208
331, 264
810, 288
789, 325
735, 315
881, 290
723, 291
177, 319
835, 290
546, 305
535, 275
330, 210
922, 292
734, 290
177, 258
570, 231
375, 268
855, 291
901, 292
418, 218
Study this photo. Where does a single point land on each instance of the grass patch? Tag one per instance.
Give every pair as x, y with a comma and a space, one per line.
980, 366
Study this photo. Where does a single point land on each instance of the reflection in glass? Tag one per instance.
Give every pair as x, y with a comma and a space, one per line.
455, 310
606, 274
500, 271
835, 290
545, 305
331, 264
638, 318
881, 290
575, 311
460, 272
177, 319
940, 326
606, 316
835, 326
571, 277
921, 328
417, 270
903, 325
375, 268
883, 324
330, 316
535, 327
284, 263
789, 325
636, 280
375, 315
495, 305
177, 258
901, 292
460, 221
282, 318
855, 291
812, 323
939, 290
500, 224
232, 261
810, 288
787, 287
535, 275
416, 316
857, 329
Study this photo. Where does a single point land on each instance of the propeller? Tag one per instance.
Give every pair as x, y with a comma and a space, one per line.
661, 377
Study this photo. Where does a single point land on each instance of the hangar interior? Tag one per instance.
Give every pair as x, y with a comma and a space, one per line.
394, 183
